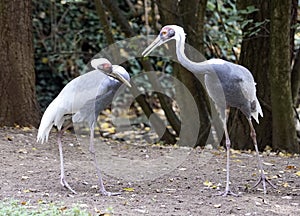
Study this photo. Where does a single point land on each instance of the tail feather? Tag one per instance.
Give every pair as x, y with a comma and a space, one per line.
257, 112
43, 133
46, 124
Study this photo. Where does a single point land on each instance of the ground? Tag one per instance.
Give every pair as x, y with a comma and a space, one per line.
30, 173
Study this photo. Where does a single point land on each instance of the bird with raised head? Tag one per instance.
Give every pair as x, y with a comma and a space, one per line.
81, 100
228, 84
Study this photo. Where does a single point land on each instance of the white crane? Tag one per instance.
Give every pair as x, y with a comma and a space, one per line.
235, 81
82, 99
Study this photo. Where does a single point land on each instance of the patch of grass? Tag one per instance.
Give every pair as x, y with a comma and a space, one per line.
16, 208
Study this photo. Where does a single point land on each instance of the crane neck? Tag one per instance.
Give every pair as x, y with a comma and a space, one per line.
195, 67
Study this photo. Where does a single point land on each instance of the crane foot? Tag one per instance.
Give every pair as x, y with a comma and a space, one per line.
227, 192
65, 184
264, 180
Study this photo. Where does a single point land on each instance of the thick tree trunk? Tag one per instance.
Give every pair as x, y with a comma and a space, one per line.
295, 78
254, 56
284, 132
18, 104
295, 56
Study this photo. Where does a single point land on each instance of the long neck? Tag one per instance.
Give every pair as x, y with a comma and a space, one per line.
196, 67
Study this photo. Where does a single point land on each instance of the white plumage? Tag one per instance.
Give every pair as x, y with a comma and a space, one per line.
82, 99
228, 84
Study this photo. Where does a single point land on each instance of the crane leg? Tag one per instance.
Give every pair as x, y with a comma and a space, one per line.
227, 142
262, 177
63, 181
92, 151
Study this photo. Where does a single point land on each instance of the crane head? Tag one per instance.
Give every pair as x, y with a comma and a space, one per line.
108, 69
167, 33
119, 73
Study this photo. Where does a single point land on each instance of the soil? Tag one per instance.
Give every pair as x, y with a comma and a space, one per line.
30, 172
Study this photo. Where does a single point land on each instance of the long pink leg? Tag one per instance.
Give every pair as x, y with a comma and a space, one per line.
92, 151
262, 177
227, 142
63, 180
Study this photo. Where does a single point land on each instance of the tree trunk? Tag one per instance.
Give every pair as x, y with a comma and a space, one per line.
295, 56
295, 78
284, 132
254, 56
18, 103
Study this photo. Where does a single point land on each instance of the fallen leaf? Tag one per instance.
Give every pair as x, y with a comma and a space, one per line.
23, 202
9, 138
217, 205
111, 130
25, 177
233, 151
26, 129
285, 184
24, 151
94, 187
96, 210
268, 164
40, 201
289, 167
105, 125
276, 176
214, 187
63, 208
208, 183
257, 203
26, 191
128, 189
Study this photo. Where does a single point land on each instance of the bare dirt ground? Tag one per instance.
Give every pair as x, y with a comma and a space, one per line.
30, 173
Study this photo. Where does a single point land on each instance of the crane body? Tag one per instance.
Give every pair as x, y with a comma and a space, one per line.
228, 84
81, 100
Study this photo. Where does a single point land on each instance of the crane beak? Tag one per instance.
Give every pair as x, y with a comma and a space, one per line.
120, 78
156, 43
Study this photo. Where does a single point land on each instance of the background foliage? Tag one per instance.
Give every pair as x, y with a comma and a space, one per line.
67, 33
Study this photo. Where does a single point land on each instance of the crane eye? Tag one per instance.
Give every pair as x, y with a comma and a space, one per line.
163, 33
105, 67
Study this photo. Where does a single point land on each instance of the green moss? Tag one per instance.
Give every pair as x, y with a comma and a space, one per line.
20, 208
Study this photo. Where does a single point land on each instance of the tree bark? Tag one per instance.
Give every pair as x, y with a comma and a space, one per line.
18, 103
295, 56
284, 132
295, 78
